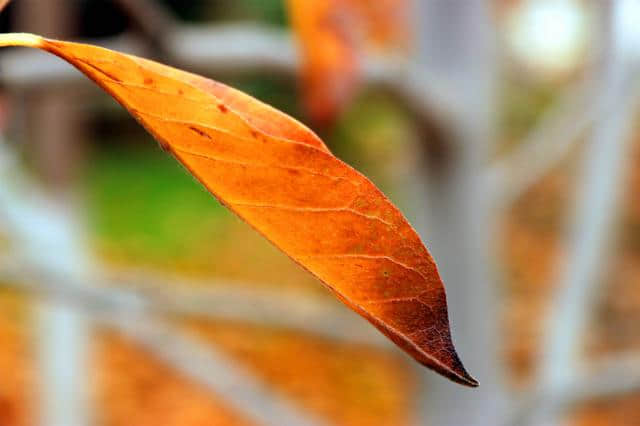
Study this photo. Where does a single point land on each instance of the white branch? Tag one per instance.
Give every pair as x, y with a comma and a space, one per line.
209, 299
547, 144
47, 240
245, 47
456, 40
232, 48
599, 192
557, 132
613, 376
62, 347
209, 367
46, 234
240, 301
151, 16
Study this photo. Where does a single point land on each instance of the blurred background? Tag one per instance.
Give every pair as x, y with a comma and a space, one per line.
506, 130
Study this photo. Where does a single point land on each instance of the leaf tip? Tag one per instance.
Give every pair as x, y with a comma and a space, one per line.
458, 373
470, 381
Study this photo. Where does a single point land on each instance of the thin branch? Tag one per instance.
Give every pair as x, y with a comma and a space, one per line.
557, 132
209, 367
62, 334
553, 138
599, 193
291, 309
456, 40
231, 48
129, 314
63, 271
226, 49
246, 47
152, 17
611, 377
62, 344
208, 299
548, 143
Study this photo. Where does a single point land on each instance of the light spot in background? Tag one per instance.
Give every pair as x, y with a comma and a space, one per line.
628, 27
548, 35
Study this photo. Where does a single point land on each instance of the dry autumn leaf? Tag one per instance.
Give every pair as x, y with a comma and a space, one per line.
279, 177
332, 35
329, 75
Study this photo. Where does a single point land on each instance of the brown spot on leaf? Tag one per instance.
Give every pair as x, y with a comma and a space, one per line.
199, 132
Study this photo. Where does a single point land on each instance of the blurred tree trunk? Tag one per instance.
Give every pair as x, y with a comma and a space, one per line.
54, 133
456, 42
54, 136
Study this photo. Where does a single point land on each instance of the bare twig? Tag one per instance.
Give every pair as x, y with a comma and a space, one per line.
613, 376
255, 304
557, 132
152, 17
209, 367
63, 271
599, 192
246, 47
223, 49
131, 315
232, 47
550, 141
456, 41
43, 226
211, 299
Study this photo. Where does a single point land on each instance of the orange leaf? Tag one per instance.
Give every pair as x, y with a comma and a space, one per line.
327, 40
333, 34
279, 177
388, 22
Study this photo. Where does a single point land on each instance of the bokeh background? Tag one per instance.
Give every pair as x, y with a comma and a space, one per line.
506, 130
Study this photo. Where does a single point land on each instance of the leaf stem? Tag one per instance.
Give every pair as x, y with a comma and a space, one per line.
20, 39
